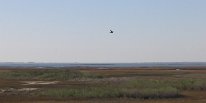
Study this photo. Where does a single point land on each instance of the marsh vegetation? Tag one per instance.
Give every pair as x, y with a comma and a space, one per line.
64, 84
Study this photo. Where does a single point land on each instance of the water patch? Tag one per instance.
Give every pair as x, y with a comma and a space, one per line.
39, 82
13, 90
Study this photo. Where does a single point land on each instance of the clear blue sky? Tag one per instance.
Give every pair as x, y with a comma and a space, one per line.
78, 30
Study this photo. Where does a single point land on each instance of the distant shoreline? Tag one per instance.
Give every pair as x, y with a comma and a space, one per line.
102, 65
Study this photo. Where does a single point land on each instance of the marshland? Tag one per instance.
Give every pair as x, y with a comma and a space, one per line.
112, 85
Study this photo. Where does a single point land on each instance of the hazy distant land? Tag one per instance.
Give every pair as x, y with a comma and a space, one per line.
146, 64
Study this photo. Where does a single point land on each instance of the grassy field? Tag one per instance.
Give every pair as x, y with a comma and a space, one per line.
114, 85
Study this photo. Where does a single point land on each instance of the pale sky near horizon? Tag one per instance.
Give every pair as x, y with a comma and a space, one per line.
78, 31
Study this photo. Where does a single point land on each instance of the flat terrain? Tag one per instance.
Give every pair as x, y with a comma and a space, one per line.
103, 85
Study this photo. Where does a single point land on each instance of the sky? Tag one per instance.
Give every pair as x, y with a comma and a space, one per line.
78, 31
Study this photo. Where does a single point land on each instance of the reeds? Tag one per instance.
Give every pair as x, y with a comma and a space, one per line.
128, 90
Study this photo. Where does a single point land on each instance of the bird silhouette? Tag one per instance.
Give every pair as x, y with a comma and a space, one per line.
111, 31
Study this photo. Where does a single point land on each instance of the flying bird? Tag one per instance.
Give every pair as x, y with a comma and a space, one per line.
111, 31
